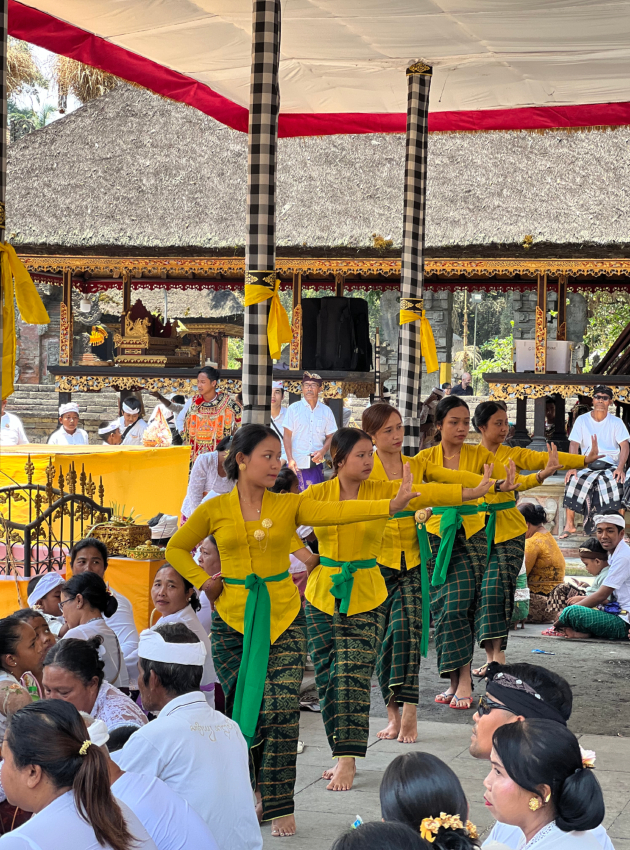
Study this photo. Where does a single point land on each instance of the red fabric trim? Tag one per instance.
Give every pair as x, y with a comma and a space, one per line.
64, 38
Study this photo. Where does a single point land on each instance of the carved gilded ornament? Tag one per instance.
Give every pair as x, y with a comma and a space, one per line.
540, 342
505, 392
420, 68
65, 336
295, 356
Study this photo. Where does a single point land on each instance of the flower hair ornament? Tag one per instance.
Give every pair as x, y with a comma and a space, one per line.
430, 827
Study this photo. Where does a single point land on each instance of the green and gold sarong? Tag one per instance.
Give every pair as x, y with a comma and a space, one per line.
594, 622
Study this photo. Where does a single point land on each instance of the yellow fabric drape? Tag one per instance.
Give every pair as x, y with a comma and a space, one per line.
278, 327
427, 341
29, 304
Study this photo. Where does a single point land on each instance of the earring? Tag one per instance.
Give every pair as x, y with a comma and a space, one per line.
534, 804
547, 798
242, 467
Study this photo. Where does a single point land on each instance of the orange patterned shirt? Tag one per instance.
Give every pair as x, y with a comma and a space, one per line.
208, 422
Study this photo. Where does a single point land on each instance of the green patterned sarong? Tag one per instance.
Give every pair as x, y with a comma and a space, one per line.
594, 622
343, 650
496, 603
274, 750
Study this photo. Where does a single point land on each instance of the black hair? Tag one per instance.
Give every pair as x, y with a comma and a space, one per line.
52, 734
416, 786
538, 752
380, 836
553, 689
534, 514
444, 407
103, 424
210, 372
94, 590
593, 545
119, 736
89, 543
285, 480
79, 657
177, 679
26, 615
244, 442
195, 603
485, 411
178, 399
445, 386
344, 440
10, 635
224, 444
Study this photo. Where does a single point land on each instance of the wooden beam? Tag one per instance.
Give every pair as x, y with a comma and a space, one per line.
126, 282
339, 281
65, 322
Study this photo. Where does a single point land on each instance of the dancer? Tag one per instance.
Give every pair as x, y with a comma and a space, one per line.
258, 631
405, 613
344, 594
474, 574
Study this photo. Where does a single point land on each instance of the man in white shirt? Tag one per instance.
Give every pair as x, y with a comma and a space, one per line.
11, 429
309, 426
582, 618
517, 692
109, 432
132, 426
278, 413
69, 434
197, 751
598, 487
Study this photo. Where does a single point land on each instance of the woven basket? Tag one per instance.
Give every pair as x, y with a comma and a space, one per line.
120, 538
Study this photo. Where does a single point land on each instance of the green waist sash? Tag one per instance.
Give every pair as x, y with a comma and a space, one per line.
491, 525
343, 582
252, 672
425, 557
452, 518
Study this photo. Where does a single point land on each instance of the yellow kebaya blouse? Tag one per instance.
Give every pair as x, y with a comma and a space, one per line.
400, 535
510, 523
527, 459
361, 541
241, 554
544, 562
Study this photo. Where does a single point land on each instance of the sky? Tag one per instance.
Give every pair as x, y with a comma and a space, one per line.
44, 58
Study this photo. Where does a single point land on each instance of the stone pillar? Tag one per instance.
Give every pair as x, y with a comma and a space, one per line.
439, 309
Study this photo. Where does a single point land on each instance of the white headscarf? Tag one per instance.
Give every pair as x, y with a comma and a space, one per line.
153, 647
46, 583
613, 519
71, 407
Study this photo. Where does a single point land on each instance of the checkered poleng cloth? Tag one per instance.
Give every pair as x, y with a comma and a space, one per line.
580, 485
260, 257
412, 266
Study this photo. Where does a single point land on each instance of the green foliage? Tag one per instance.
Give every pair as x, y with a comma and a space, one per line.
235, 349
499, 358
608, 315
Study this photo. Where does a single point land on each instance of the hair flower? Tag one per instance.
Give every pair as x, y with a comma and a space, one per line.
429, 828
471, 829
588, 758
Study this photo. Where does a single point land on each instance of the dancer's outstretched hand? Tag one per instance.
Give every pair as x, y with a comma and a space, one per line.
405, 493
469, 494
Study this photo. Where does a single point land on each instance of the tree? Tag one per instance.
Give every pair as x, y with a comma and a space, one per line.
608, 315
501, 350
82, 81
23, 74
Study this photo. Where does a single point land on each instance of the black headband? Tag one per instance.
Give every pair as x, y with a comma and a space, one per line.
523, 702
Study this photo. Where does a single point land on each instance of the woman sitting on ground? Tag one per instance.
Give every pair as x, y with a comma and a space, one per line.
44, 594
45, 637
176, 599
595, 559
538, 783
51, 768
84, 603
73, 672
418, 789
544, 562
20, 653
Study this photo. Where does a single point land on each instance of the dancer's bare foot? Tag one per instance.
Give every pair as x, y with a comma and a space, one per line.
390, 732
343, 775
281, 827
409, 726
328, 774
571, 634
259, 807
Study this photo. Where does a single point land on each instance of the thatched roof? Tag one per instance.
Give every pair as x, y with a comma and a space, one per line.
134, 173
182, 303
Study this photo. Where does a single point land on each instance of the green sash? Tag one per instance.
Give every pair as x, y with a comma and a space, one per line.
343, 582
252, 672
492, 519
425, 557
452, 520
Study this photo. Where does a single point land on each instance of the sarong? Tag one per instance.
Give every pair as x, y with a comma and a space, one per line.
498, 587
522, 597
454, 603
594, 622
314, 475
400, 632
274, 751
559, 597
538, 612
343, 650
590, 491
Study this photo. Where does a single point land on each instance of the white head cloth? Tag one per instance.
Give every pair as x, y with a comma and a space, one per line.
114, 425
153, 647
277, 385
613, 519
166, 527
97, 729
129, 405
46, 583
71, 407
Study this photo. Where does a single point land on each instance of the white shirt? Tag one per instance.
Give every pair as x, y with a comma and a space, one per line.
134, 436
277, 426
181, 416
619, 576
123, 625
202, 756
189, 618
610, 432
205, 478
512, 836
116, 709
168, 819
62, 438
114, 660
60, 827
169, 412
12, 431
309, 428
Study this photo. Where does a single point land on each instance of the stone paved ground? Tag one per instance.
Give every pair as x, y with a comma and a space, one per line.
599, 674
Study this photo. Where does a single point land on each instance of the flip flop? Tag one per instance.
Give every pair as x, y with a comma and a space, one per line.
480, 672
444, 699
455, 703
567, 534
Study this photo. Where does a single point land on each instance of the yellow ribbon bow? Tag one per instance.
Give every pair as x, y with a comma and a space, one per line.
261, 289
32, 310
412, 310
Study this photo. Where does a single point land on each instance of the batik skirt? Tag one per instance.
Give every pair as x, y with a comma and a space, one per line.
594, 622
498, 587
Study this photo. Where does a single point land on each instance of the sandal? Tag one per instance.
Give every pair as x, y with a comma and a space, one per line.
455, 703
444, 699
567, 534
480, 672
552, 632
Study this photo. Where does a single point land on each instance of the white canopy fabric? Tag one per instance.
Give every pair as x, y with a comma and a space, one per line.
498, 64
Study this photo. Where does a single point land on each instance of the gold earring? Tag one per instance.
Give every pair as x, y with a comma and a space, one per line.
242, 467
534, 804
547, 798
